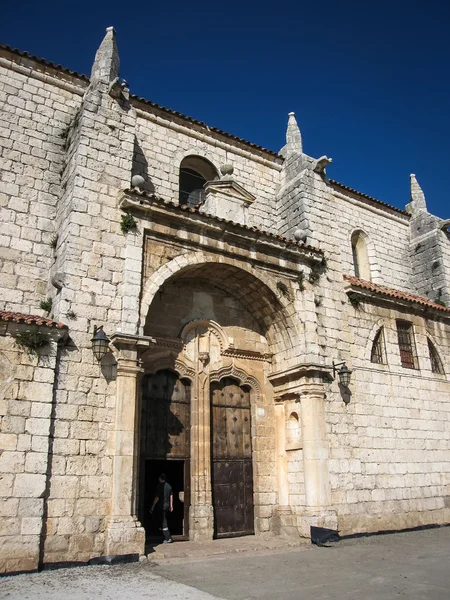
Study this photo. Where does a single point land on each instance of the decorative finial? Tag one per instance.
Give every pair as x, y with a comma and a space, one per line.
106, 63
227, 171
418, 201
293, 138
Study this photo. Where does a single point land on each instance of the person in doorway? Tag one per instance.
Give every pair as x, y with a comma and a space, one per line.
163, 504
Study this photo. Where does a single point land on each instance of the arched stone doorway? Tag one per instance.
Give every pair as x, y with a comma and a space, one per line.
216, 325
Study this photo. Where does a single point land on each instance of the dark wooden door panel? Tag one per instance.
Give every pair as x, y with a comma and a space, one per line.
233, 497
165, 421
232, 473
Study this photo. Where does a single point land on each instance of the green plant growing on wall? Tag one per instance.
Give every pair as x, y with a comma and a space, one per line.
283, 289
128, 223
301, 281
46, 305
54, 241
32, 341
317, 270
440, 302
355, 301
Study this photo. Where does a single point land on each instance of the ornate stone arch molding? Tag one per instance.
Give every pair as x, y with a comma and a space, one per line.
240, 375
211, 326
191, 259
171, 362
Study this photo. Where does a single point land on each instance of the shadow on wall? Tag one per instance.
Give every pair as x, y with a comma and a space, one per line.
346, 394
140, 167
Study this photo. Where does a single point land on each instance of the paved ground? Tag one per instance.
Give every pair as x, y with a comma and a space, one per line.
412, 565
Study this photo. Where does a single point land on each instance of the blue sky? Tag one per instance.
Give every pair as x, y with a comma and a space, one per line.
369, 81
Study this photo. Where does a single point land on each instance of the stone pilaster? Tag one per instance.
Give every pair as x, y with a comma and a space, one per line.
125, 535
304, 385
201, 514
315, 445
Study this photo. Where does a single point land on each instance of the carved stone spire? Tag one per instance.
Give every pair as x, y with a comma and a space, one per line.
106, 63
293, 138
418, 201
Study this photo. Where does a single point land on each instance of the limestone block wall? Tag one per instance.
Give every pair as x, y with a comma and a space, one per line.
163, 143
26, 394
389, 461
36, 108
333, 215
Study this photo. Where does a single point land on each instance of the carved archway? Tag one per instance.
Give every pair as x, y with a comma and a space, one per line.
257, 293
240, 375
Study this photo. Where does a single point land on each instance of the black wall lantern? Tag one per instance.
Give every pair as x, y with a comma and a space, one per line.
345, 374
100, 343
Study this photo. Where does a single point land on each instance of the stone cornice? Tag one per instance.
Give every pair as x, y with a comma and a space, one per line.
306, 378
121, 340
226, 232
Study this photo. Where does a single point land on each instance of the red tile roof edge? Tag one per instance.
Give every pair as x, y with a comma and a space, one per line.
393, 293
193, 210
13, 317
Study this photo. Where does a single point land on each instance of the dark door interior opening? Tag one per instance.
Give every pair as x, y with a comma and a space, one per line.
176, 474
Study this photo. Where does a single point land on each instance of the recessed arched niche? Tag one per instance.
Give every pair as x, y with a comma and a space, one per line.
293, 432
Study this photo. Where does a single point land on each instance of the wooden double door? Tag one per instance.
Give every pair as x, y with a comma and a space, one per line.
232, 471
165, 447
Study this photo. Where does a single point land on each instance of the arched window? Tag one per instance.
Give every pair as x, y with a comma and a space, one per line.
361, 263
378, 354
195, 171
435, 359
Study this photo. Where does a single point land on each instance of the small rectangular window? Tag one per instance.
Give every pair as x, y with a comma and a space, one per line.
406, 345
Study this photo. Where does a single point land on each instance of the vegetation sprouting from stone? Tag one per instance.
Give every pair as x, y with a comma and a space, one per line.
128, 223
32, 341
283, 289
46, 305
54, 241
301, 281
355, 301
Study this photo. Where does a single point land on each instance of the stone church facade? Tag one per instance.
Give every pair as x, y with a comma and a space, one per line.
224, 283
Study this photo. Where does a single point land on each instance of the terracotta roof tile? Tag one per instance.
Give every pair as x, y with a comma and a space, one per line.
288, 241
393, 293
30, 320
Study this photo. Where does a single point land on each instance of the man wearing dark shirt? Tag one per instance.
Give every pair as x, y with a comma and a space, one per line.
163, 503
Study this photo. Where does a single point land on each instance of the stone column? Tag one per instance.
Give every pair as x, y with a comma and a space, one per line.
125, 535
315, 446
201, 515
